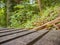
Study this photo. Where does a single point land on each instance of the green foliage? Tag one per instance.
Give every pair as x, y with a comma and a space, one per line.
48, 3
23, 15
50, 13
26, 14
2, 15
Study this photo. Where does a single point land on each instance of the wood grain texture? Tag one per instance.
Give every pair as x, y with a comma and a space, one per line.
52, 38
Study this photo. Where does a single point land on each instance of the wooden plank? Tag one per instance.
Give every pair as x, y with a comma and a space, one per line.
10, 30
52, 38
10, 33
3, 28
14, 36
26, 39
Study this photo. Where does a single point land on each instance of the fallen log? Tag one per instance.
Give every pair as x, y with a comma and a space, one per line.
51, 23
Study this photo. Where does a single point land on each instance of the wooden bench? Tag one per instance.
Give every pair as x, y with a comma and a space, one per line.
30, 37
52, 38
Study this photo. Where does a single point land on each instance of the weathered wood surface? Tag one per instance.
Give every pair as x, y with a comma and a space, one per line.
12, 32
52, 38
9, 30
13, 36
30, 37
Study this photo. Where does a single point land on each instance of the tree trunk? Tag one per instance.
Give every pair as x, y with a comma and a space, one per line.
8, 4
39, 4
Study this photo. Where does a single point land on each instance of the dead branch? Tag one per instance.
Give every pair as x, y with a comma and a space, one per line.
51, 23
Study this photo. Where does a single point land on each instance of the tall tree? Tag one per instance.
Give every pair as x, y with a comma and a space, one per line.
8, 5
39, 4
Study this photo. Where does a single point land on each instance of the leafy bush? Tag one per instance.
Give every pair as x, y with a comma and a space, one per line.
50, 13
23, 15
2, 15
